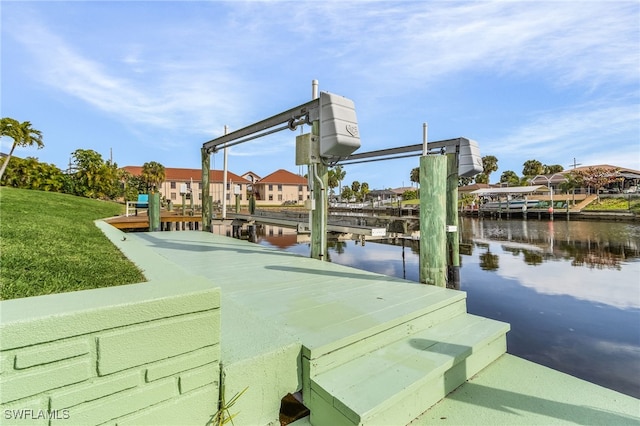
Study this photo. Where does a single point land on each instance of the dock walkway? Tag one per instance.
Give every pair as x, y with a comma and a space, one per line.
364, 348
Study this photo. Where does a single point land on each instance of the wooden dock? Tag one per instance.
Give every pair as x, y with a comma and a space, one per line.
362, 348
169, 221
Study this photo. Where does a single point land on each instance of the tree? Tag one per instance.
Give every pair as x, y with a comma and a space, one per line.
464, 180
347, 193
482, 178
510, 178
532, 168
93, 177
364, 190
596, 177
554, 168
572, 181
153, 174
336, 175
414, 175
29, 173
22, 134
355, 187
489, 165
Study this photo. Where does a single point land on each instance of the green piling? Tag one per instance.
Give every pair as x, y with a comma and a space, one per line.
154, 211
319, 213
433, 215
453, 242
206, 196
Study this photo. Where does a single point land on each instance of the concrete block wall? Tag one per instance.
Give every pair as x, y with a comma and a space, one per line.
129, 355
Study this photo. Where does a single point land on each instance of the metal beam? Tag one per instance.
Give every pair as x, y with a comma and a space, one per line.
395, 153
249, 132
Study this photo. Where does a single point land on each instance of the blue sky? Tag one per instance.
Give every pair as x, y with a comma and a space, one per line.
154, 80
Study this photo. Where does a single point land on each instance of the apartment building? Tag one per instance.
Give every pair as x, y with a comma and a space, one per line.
281, 187
277, 188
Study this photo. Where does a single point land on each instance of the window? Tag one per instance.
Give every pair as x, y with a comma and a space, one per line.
300, 197
228, 196
300, 188
173, 194
270, 187
188, 185
173, 185
228, 186
279, 197
279, 187
199, 195
270, 197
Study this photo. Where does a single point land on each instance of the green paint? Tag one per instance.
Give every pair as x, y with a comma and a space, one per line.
453, 244
154, 211
433, 214
133, 346
206, 195
319, 214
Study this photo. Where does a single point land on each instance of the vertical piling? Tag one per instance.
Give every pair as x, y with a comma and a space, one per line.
319, 175
206, 191
453, 243
433, 215
154, 211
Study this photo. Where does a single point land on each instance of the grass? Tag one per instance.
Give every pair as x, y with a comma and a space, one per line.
49, 244
618, 203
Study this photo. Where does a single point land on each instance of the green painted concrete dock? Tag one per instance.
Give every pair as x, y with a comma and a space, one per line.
364, 348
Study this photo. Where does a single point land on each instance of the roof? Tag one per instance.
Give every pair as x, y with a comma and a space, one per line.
473, 187
180, 174
605, 166
381, 192
511, 190
283, 176
403, 189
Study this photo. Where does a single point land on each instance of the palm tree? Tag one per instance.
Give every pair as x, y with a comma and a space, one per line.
153, 174
21, 133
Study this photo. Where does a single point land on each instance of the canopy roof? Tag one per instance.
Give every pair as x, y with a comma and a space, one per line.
511, 190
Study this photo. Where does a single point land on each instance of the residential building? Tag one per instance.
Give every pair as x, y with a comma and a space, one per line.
178, 179
628, 179
281, 187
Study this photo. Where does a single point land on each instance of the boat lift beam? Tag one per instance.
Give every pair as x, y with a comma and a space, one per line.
302, 114
466, 150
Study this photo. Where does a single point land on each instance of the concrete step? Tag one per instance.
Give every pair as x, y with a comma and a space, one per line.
361, 335
396, 383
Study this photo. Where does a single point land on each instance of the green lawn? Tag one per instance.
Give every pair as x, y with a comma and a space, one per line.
618, 203
49, 244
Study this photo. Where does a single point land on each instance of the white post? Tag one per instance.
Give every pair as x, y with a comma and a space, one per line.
424, 139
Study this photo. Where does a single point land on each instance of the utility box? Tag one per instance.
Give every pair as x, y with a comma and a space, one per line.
307, 150
469, 159
339, 135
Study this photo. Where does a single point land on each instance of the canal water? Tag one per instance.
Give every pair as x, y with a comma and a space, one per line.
569, 289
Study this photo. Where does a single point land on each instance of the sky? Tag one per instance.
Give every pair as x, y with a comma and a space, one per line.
140, 81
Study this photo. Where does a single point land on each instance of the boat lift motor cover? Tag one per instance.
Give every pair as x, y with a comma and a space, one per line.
469, 159
339, 135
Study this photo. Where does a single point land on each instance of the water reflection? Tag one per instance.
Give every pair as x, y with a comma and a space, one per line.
582, 243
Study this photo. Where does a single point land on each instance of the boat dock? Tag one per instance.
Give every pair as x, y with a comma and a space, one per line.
360, 347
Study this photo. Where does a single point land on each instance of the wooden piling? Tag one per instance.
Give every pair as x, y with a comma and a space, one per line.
154, 211
453, 247
206, 196
433, 215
